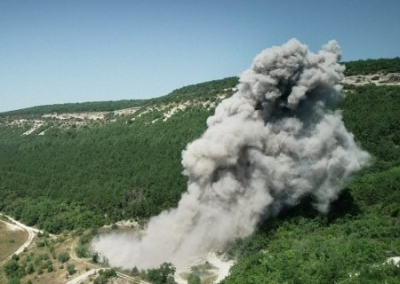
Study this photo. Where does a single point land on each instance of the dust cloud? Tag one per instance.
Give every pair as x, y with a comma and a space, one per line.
277, 139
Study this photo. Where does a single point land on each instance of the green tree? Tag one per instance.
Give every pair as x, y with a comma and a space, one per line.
163, 274
81, 251
194, 279
95, 257
63, 257
30, 269
14, 281
13, 269
71, 269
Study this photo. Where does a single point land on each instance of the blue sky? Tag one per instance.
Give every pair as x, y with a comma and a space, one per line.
78, 50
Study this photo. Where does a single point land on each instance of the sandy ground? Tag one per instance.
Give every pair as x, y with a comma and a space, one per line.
223, 267
395, 260
98, 115
83, 276
124, 223
392, 79
36, 125
219, 271
11, 227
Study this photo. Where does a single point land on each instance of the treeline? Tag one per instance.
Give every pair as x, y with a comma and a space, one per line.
372, 66
74, 107
353, 242
202, 91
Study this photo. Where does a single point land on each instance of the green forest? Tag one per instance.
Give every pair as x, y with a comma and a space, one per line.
372, 66
88, 176
351, 243
129, 167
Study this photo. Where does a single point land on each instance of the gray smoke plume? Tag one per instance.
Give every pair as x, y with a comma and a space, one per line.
274, 141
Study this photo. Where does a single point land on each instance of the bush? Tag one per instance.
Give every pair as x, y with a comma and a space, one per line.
194, 279
101, 279
63, 257
95, 257
163, 274
30, 269
104, 276
71, 269
109, 273
13, 269
41, 243
14, 281
81, 251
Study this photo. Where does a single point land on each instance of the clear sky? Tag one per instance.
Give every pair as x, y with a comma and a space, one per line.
79, 50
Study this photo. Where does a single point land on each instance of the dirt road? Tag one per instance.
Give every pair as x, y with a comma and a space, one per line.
83, 276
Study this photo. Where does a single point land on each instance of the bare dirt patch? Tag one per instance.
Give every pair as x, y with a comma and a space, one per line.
377, 79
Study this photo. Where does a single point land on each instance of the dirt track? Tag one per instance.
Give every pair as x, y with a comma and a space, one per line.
32, 232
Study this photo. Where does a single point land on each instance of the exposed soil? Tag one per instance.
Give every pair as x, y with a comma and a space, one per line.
377, 79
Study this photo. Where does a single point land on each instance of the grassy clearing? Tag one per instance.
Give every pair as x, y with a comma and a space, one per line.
10, 240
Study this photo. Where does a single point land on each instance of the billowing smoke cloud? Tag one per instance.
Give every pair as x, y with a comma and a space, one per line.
274, 141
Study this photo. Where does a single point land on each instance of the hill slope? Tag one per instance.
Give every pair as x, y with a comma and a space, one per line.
361, 231
79, 170
63, 171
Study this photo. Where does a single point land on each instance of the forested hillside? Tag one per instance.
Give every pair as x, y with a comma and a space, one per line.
362, 230
84, 173
81, 173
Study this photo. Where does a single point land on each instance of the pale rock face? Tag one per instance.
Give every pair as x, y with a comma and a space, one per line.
270, 144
